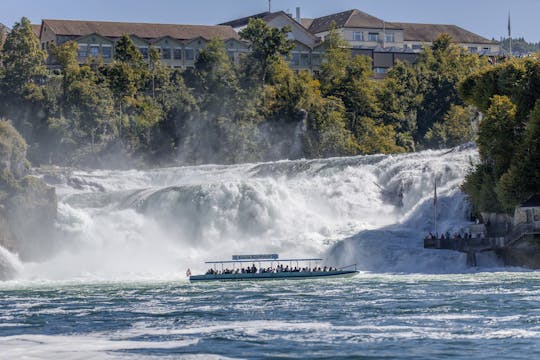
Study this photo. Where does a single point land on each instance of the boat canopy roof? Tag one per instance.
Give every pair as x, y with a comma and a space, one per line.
255, 257
258, 260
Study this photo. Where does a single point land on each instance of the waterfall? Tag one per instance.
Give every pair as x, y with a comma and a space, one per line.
372, 210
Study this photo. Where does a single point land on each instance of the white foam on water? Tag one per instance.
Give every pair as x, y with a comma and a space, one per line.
154, 224
77, 347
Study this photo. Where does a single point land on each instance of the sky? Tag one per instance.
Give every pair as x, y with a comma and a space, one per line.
488, 18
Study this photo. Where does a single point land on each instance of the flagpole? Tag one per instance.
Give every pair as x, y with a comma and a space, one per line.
435, 204
510, 33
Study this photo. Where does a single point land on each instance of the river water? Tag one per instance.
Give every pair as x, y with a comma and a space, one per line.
478, 315
111, 283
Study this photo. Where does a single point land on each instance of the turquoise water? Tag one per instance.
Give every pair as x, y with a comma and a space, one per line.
493, 315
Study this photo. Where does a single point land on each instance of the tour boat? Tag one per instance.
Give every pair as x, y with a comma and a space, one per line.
269, 267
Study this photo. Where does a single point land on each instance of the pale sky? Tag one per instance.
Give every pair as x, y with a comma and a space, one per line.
488, 18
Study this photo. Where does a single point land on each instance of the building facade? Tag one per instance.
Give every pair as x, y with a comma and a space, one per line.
179, 45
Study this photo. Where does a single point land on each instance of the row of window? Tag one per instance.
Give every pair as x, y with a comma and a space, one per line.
94, 50
304, 59
172, 53
105, 51
373, 36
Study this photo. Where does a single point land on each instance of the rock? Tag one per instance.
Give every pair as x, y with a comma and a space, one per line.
27, 205
524, 253
31, 218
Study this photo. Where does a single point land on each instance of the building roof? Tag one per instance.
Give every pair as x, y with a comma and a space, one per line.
306, 22
268, 17
244, 21
142, 30
430, 32
36, 28
533, 201
265, 16
349, 19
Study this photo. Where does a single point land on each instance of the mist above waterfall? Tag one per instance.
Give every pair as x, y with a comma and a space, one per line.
372, 210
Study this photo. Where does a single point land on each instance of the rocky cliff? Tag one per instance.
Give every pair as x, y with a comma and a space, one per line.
27, 204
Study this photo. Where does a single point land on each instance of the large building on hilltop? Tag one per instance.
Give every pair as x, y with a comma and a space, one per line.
385, 42
179, 45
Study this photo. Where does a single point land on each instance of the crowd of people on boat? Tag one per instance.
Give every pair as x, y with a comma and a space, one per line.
272, 270
447, 236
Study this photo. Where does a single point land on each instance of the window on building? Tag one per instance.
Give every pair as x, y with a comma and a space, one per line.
304, 59
373, 36
417, 47
94, 50
106, 51
230, 53
83, 51
190, 54
315, 59
166, 53
177, 54
295, 59
487, 49
358, 36
380, 70
144, 52
473, 49
389, 37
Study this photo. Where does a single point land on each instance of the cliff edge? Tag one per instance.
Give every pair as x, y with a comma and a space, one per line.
28, 206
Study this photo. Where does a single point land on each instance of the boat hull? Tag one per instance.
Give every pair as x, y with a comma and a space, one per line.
274, 276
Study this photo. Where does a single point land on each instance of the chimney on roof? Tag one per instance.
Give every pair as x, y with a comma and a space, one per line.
298, 19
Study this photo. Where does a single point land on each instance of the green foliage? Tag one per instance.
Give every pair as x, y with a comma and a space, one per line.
520, 45
441, 68
399, 98
327, 133
455, 129
335, 61
267, 44
508, 137
257, 110
13, 164
22, 61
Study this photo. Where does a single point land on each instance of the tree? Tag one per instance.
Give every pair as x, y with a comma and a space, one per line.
497, 135
267, 44
399, 98
455, 129
126, 51
509, 95
22, 61
215, 78
440, 70
335, 61
327, 134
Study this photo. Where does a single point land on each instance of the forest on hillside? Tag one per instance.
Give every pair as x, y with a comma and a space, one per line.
141, 112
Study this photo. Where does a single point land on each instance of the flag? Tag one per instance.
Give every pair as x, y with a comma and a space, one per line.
509, 27
435, 195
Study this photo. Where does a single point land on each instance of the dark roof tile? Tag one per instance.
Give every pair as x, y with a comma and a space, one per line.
430, 32
351, 19
142, 30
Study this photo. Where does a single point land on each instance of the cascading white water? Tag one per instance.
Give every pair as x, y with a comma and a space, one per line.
157, 223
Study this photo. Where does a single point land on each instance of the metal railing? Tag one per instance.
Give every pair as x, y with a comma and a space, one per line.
347, 267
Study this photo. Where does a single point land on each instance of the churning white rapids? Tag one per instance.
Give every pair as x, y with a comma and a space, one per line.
154, 224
